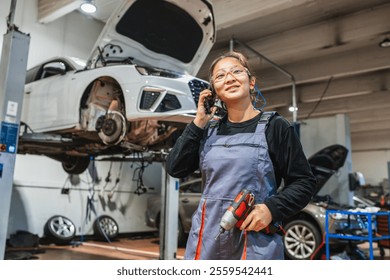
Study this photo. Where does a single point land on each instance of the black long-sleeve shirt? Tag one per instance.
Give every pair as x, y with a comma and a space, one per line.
285, 150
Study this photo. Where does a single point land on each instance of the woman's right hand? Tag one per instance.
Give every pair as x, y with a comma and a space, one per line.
202, 118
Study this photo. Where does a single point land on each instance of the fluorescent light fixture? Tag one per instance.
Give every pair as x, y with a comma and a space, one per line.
88, 7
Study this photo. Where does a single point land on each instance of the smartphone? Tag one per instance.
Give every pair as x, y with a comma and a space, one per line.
209, 101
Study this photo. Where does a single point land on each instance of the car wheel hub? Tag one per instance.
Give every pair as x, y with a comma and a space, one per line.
112, 129
299, 241
109, 127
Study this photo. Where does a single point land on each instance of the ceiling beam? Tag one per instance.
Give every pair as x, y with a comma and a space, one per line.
339, 34
330, 89
369, 116
233, 12
363, 141
49, 10
325, 37
372, 101
343, 64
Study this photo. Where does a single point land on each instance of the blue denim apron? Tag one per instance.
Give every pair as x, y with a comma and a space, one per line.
229, 164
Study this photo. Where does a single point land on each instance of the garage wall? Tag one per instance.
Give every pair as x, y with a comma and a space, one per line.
42, 189
374, 166
73, 34
319, 133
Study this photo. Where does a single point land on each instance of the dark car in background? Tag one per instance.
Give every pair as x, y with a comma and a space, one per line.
304, 232
189, 196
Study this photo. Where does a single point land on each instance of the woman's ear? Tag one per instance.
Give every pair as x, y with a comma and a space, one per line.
252, 83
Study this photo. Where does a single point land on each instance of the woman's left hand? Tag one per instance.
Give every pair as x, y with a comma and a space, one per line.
259, 218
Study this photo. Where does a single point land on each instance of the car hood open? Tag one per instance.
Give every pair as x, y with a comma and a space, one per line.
326, 162
173, 34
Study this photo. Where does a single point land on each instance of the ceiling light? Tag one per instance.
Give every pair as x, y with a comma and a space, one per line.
385, 43
292, 108
88, 7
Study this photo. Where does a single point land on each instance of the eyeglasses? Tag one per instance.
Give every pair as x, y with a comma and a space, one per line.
235, 72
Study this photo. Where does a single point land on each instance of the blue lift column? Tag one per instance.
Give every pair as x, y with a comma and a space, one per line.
13, 66
169, 216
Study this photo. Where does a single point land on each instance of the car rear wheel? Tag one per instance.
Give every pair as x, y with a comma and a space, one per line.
301, 240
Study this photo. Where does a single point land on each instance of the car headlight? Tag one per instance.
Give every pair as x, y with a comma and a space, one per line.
148, 71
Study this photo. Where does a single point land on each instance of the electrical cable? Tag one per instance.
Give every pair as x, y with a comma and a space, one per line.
107, 180
26, 127
141, 189
117, 180
322, 96
258, 96
314, 254
90, 207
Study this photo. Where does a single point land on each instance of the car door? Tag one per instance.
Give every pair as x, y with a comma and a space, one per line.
44, 104
190, 194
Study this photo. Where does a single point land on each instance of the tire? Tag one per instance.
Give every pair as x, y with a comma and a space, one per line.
60, 230
105, 228
75, 165
301, 240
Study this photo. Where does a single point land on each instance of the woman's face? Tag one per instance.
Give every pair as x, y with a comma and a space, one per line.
231, 80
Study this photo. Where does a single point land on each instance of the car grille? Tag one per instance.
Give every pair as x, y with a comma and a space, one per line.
196, 86
150, 97
169, 103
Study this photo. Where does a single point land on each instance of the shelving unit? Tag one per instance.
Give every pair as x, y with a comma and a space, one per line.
370, 237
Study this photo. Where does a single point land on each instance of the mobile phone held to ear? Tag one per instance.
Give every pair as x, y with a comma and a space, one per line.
209, 102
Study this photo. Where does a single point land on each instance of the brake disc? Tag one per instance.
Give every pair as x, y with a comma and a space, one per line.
111, 128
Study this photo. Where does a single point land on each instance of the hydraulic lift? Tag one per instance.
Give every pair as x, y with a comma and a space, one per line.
13, 67
169, 216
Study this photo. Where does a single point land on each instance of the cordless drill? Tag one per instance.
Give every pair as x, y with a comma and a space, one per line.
237, 211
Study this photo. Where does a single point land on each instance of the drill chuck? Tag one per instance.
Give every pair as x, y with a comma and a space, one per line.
228, 220
237, 211
227, 223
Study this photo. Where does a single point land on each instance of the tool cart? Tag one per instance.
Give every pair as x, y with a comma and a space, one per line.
370, 235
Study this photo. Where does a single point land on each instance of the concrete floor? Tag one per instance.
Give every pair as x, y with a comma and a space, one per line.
135, 247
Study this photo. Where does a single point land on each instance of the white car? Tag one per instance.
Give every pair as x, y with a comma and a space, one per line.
136, 89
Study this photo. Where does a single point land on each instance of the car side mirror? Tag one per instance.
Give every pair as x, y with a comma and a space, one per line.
54, 68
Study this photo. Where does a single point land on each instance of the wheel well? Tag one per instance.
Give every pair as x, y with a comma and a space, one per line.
98, 91
306, 217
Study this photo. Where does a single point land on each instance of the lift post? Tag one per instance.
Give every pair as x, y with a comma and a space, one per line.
12, 79
169, 216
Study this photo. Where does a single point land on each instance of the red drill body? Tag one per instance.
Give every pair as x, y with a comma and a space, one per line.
237, 211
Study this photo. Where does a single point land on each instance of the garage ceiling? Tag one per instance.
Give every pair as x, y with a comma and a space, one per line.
330, 48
